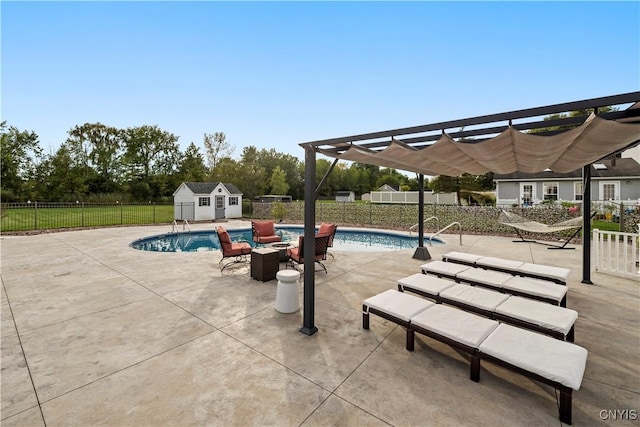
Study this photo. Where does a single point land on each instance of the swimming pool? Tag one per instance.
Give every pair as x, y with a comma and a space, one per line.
349, 240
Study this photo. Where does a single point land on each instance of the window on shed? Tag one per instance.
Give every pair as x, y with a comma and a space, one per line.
204, 201
233, 201
550, 190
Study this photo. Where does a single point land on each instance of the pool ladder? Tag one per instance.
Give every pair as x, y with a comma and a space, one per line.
415, 227
448, 226
185, 226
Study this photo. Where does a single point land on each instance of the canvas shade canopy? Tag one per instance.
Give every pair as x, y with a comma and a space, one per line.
508, 152
485, 144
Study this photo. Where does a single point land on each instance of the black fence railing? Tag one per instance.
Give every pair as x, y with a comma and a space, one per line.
46, 215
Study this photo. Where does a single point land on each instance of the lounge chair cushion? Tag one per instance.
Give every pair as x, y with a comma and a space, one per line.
487, 277
449, 269
476, 297
458, 325
498, 263
548, 316
427, 284
536, 287
550, 358
397, 304
462, 257
555, 273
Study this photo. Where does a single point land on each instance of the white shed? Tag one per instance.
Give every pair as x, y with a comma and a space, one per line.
345, 196
198, 201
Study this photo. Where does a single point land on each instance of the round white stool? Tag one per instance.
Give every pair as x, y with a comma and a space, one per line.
287, 292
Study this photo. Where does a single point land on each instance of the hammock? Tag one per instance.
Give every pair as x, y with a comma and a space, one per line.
519, 223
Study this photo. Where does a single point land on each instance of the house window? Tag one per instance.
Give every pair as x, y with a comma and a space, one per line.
577, 190
233, 201
550, 191
204, 201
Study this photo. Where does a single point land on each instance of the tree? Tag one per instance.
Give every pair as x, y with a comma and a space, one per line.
217, 147
19, 155
254, 176
99, 147
192, 167
149, 149
278, 182
61, 179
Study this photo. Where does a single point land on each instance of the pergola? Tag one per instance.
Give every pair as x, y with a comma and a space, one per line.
500, 143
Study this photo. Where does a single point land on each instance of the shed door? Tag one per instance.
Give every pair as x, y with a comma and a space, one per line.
220, 207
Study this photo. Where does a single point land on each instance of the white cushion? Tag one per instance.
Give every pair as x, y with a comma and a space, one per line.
476, 297
548, 316
428, 284
397, 304
559, 361
445, 268
536, 287
458, 325
461, 256
487, 277
504, 264
558, 273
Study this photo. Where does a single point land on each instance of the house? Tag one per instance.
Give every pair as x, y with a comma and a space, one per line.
616, 180
345, 196
199, 201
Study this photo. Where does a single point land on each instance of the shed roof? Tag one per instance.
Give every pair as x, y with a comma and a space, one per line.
208, 187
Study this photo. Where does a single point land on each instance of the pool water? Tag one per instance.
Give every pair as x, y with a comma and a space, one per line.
345, 240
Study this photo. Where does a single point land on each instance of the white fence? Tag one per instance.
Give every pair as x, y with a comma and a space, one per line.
617, 253
411, 197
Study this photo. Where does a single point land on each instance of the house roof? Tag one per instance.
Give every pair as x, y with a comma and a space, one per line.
208, 187
624, 167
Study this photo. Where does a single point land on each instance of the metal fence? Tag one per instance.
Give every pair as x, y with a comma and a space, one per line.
45, 215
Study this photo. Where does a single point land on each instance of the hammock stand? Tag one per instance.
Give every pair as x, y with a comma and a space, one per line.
519, 223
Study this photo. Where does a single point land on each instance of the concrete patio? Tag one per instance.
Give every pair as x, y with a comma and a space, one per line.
97, 333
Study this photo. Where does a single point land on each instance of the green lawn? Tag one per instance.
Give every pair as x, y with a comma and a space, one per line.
22, 219
605, 225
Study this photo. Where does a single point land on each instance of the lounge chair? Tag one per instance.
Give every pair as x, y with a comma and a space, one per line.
528, 287
296, 254
236, 250
329, 229
558, 322
520, 223
517, 268
544, 359
264, 232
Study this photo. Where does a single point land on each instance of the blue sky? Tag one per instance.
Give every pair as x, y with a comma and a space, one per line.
276, 74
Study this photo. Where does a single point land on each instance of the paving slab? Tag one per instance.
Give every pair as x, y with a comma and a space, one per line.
116, 336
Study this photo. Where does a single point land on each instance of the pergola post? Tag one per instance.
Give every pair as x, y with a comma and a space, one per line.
308, 327
586, 225
421, 252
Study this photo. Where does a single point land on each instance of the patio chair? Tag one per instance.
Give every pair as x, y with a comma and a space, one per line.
236, 250
329, 229
264, 232
296, 255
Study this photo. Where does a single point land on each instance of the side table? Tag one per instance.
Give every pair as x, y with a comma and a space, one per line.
265, 264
